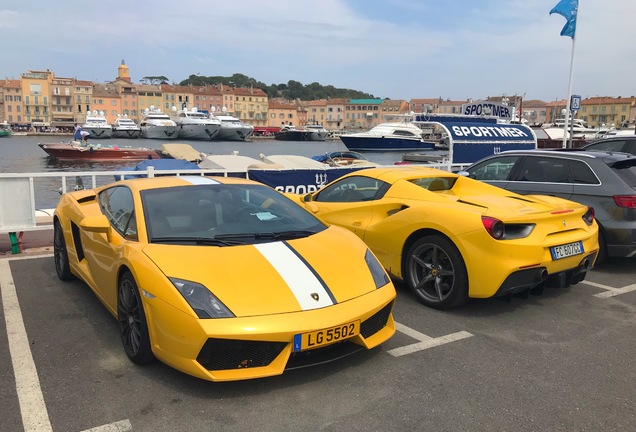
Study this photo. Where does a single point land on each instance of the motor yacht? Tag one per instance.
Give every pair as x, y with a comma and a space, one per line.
157, 125
197, 125
232, 128
124, 127
97, 126
388, 137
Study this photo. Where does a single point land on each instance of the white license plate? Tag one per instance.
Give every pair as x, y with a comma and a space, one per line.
566, 250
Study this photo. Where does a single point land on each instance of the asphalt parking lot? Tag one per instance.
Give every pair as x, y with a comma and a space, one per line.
561, 361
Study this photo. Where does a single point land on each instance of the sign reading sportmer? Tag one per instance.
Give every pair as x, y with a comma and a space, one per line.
487, 108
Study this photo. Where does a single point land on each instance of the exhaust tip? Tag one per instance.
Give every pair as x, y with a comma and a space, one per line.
544, 275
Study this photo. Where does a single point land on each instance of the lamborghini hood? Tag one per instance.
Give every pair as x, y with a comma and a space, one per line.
275, 277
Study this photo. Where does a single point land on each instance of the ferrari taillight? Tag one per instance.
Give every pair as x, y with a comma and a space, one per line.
495, 227
627, 201
588, 217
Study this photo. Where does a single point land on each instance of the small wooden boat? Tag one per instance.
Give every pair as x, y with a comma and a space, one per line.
88, 151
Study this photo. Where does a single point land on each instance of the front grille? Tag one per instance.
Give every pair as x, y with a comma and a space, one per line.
223, 354
376, 322
322, 355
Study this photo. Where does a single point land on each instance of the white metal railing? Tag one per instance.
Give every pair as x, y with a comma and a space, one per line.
26, 204
21, 210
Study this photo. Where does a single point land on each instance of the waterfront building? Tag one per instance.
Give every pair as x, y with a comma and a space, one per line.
229, 98
106, 100
451, 107
148, 95
534, 111
598, 111
36, 91
335, 113
82, 95
424, 105
251, 105
390, 107
316, 111
62, 103
11, 105
176, 98
208, 99
281, 113
362, 113
127, 91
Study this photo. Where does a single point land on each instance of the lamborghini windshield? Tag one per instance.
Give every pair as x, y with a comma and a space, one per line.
223, 215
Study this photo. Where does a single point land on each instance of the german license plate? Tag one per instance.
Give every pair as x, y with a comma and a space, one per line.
566, 250
318, 338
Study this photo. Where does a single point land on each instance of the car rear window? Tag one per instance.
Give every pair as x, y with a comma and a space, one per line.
626, 169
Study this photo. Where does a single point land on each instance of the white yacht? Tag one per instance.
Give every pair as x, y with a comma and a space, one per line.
97, 126
157, 125
579, 128
391, 136
232, 128
125, 127
317, 132
194, 124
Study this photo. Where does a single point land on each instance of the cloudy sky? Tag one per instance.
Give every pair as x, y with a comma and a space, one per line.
400, 49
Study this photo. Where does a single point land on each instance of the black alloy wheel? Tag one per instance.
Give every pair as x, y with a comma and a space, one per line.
436, 273
132, 321
60, 254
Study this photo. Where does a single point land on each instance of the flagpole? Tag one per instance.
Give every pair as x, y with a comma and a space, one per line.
569, 100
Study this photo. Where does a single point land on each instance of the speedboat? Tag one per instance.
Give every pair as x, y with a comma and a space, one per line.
343, 158
194, 124
157, 125
233, 129
388, 137
84, 151
311, 133
97, 126
125, 128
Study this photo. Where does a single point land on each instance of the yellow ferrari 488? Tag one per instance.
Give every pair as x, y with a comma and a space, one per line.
452, 238
222, 278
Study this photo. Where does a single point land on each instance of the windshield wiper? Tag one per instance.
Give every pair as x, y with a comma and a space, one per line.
278, 235
206, 241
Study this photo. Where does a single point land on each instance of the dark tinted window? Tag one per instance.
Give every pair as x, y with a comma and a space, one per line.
494, 169
582, 173
627, 171
353, 189
610, 145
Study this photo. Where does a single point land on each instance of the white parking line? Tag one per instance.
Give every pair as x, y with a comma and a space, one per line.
610, 291
425, 342
120, 426
32, 407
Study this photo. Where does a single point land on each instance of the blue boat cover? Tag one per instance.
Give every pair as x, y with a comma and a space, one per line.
158, 164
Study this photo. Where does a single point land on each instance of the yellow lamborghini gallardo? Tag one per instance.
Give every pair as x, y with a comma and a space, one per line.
222, 278
451, 238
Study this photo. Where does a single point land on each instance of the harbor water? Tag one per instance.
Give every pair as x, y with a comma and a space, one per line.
21, 154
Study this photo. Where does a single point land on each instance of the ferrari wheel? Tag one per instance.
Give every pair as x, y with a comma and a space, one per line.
132, 321
436, 273
60, 253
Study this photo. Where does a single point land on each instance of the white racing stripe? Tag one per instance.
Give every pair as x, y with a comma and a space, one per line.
198, 180
299, 278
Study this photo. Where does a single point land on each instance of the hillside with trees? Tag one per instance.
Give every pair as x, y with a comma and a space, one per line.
292, 90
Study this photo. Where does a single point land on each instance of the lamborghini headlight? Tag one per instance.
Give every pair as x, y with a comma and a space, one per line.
377, 271
201, 300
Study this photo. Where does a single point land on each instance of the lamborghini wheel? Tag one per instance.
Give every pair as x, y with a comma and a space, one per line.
132, 321
436, 273
60, 253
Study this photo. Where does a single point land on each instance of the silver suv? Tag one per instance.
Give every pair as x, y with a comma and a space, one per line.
603, 180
